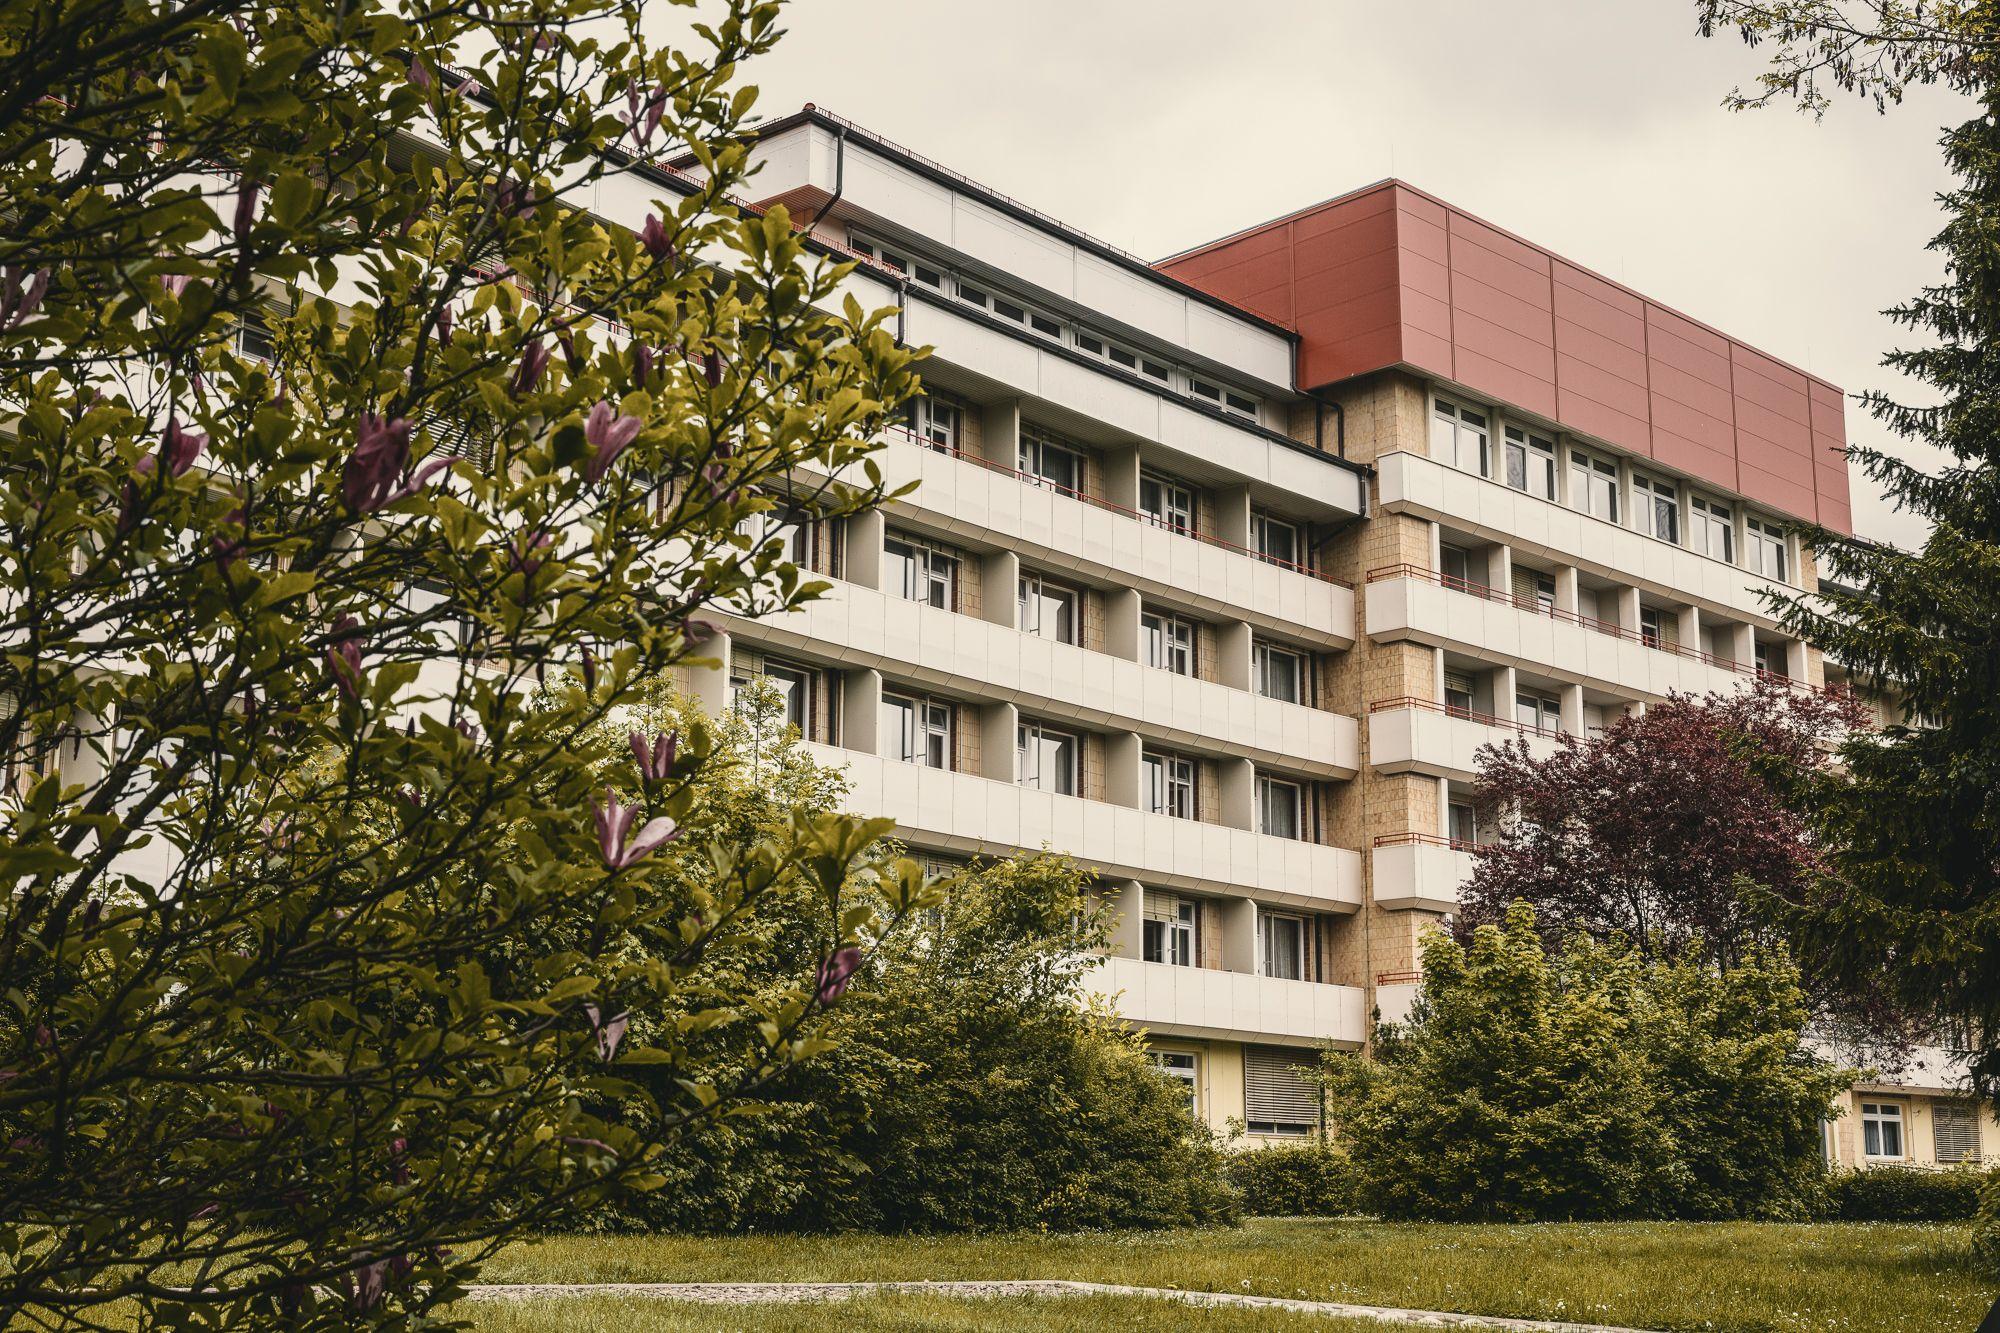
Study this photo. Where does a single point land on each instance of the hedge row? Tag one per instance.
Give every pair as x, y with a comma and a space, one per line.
1316, 1180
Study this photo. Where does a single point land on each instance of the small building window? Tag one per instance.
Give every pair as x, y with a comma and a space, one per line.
1538, 712
1184, 1069
1593, 485
938, 422
917, 731
1048, 610
921, 572
1531, 463
1284, 945
1170, 929
1279, 1095
1047, 461
1711, 529
1279, 672
1166, 503
1049, 759
1170, 786
1169, 643
1280, 808
1882, 1131
1657, 507
1766, 543
1459, 437
1276, 541
1955, 1132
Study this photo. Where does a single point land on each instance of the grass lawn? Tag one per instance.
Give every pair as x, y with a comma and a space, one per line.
1718, 1278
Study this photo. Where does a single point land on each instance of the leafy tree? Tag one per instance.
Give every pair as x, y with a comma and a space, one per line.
1647, 830
1590, 1083
352, 473
970, 1086
1911, 903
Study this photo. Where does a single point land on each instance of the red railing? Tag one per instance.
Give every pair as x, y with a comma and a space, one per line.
1537, 606
1110, 506
1403, 978
1412, 838
1452, 710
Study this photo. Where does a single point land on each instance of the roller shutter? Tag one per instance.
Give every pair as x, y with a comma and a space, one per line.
1955, 1131
1277, 1097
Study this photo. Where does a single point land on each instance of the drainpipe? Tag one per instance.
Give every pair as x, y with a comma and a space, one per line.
839, 176
1339, 424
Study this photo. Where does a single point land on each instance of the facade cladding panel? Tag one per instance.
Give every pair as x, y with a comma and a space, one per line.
1389, 276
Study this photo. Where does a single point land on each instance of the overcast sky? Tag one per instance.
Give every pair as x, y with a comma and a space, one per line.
1591, 126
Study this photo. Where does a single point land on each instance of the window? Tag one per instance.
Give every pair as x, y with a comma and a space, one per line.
1168, 642
784, 524
917, 731
1280, 808
1106, 350
1182, 1068
1046, 461
1279, 672
939, 423
921, 572
1534, 590
1651, 632
1766, 543
1882, 1131
1770, 659
893, 258
1539, 712
1170, 785
1169, 933
793, 685
1593, 485
1531, 463
1167, 503
1048, 758
252, 337
1047, 609
1458, 437
973, 296
1284, 945
1458, 693
1462, 821
1279, 1095
1455, 565
1227, 399
1711, 530
1659, 508
1277, 541
1955, 1132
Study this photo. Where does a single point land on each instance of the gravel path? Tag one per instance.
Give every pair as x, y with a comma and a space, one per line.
765, 1293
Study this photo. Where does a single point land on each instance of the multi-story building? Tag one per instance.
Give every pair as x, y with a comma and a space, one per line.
1220, 570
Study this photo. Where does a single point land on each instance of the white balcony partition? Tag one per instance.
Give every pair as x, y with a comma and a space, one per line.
1230, 1006
957, 812
938, 649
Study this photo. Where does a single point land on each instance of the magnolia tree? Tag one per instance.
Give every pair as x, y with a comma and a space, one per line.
355, 475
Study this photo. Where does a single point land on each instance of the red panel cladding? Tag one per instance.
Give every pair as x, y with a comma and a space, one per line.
1390, 276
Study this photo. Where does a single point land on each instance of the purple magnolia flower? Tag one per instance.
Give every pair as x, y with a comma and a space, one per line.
525, 551
229, 547
711, 367
175, 283
375, 474
419, 76
614, 821
644, 116
534, 359
343, 656
180, 447
654, 237
642, 362
589, 670
834, 974
443, 325
246, 206
655, 759
368, 1284
468, 88
567, 341
609, 1031
609, 434
399, 1170
17, 302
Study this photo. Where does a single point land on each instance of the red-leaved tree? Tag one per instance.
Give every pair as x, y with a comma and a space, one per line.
1657, 828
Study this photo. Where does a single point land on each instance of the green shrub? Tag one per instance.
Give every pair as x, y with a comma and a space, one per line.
1590, 1083
1300, 1180
1906, 1194
1986, 1226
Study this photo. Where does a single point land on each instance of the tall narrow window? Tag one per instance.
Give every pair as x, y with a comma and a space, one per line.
1279, 672
1458, 693
939, 423
1538, 712
1459, 438
1170, 929
1184, 1069
1531, 463
917, 731
1766, 543
1456, 566
1045, 461
1770, 659
1276, 540
1048, 758
921, 572
1712, 529
1593, 485
794, 685
1048, 610
1882, 1131
1167, 503
1534, 589
1168, 642
1284, 945
1462, 821
1651, 630
1658, 506
1170, 785
1280, 808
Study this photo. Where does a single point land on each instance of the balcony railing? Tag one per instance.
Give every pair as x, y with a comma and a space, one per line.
1406, 977
1099, 502
1539, 607
1412, 838
1452, 710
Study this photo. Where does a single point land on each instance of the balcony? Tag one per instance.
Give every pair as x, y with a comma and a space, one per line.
1395, 992
1416, 485
1230, 1006
958, 812
945, 650
1421, 871
1409, 602
987, 504
1408, 735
